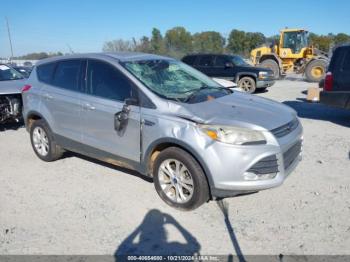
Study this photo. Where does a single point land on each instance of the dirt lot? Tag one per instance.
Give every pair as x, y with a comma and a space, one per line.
78, 206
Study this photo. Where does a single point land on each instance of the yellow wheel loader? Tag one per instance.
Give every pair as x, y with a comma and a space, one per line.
292, 53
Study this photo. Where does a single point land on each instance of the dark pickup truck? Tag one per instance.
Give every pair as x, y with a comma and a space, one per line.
233, 68
336, 86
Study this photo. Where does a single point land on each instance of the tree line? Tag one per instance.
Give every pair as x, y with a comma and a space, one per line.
37, 56
177, 42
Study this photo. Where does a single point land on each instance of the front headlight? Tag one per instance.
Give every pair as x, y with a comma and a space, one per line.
233, 135
263, 74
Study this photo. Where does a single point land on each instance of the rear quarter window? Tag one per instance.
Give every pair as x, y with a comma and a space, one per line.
45, 72
67, 75
206, 60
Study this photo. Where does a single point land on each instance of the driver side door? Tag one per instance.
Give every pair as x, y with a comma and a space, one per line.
106, 91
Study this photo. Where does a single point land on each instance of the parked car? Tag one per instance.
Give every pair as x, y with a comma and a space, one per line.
24, 70
233, 68
159, 116
11, 83
336, 86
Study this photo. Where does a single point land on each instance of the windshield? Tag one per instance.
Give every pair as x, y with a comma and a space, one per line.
175, 80
295, 40
239, 61
7, 73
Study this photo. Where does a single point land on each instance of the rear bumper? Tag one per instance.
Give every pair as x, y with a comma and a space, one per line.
264, 83
337, 99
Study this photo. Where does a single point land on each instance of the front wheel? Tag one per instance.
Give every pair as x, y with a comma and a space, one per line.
315, 70
247, 84
179, 180
273, 65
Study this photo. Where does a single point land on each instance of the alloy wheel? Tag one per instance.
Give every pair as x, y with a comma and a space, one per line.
40, 141
176, 181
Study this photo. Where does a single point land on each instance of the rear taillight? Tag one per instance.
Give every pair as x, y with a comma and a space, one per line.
26, 88
328, 82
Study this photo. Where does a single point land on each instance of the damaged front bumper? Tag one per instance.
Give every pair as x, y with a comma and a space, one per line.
10, 108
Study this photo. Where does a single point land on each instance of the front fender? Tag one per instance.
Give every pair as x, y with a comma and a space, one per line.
169, 141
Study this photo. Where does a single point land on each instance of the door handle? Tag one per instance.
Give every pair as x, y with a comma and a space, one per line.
88, 106
48, 96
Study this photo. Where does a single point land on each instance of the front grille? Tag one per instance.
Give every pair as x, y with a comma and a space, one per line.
285, 129
267, 165
291, 154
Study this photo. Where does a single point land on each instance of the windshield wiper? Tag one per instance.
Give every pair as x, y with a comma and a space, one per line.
195, 92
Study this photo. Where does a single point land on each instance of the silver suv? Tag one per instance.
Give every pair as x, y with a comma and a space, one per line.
195, 138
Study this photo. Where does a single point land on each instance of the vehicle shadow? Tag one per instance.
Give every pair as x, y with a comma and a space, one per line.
11, 126
128, 171
151, 238
319, 111
223, 206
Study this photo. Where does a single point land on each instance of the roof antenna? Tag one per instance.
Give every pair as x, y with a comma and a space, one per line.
9, 35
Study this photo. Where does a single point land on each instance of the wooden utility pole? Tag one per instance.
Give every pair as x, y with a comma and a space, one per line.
9, 35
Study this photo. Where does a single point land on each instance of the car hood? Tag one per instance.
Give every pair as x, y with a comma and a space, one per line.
238, 109
11, 87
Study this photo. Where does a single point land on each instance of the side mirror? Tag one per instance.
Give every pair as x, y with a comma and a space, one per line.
131, 102
121, 118
228, 65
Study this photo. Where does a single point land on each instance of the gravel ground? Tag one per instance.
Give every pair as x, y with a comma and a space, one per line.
80, 206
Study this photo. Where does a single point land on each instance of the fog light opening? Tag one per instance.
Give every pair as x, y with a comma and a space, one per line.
249, 176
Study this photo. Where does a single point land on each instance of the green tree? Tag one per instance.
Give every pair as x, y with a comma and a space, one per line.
157, 42
253, 40
210, 41
178, 41
236, 41
322, 42
38, 56
144, 45
341, 38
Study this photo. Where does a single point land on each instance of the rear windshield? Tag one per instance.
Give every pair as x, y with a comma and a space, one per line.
8, 73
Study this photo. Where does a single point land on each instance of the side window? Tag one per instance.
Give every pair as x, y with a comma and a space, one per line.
67, 75
189, 60
221, 61
106, 81
206, 60
45, 72
346, 62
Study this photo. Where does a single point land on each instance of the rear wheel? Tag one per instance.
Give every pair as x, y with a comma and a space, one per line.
272, 64
315, 70
179, 179
247, 84
43, 143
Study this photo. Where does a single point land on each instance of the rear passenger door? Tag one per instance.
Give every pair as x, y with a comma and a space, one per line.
107, 88
205, 64
61, 98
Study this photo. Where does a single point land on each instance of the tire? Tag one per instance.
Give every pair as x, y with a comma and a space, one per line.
43, 143
247, 84
273, 65
315, 70
192, 176
262, 90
